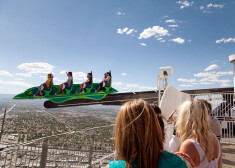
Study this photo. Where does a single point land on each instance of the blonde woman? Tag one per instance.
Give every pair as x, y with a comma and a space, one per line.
139, 139
197, 140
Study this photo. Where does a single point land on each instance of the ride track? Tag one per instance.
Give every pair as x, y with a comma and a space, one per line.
112, 98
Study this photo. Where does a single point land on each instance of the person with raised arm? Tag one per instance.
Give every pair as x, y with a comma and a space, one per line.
68, 84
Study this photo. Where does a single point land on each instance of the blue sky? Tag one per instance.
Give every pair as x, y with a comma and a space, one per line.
132, 38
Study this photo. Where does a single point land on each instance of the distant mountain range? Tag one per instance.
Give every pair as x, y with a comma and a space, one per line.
6, 96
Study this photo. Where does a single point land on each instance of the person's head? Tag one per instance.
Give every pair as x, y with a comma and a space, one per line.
157, 110
138, 134
49, 76
193, 121
208, 105
105, 75
108, 73
70, 74
89, 75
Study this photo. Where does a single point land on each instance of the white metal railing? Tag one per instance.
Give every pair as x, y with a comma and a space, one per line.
222, 109
82, 148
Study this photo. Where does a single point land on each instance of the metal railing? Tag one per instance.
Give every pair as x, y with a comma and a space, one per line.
222, 109
81, 149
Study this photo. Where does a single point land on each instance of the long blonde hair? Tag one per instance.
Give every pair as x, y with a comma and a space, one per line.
138, 135
193, 121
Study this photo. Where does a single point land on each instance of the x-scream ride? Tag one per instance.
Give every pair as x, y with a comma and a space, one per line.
70, 98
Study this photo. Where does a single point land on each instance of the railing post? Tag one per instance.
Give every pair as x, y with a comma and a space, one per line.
43, 160
3, 121
91, 148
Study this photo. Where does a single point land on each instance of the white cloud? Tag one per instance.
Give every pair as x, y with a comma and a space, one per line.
132, 85
225, 85
57, 80
5, 73
81, 76
215, 5
36, 67
173, 26
129, 31
206, 11
186, 80
170, 21
155, 30
212, 74
211, 67
15, 83
143, 44
161, 40
213, 77
126, 31
19, 79
43, 77
120, 13
205, 83
97, 80
202, 74
186, 85
136, 86
224, 73
147, 88
178, 40
184, 4
207, 8
24, 74
119, 31
124, 74
228, 40
117, 84
63, 72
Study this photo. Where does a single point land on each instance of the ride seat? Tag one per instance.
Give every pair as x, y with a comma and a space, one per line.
48, 92
68, 91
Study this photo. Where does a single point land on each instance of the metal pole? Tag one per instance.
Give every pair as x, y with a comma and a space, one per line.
43, 160
91, 148
159, 89
3, 121
232, 61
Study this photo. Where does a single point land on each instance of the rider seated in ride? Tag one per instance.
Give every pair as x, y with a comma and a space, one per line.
86, 84
68, 84
105, 82
46, 85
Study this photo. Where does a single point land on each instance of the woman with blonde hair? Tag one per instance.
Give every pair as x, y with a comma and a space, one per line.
139, 139
197, 140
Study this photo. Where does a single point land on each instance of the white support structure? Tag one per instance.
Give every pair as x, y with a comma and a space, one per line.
232, 61
162, 80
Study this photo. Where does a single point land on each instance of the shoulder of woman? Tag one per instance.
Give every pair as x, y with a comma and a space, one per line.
169, 159
118, 164
187, 145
